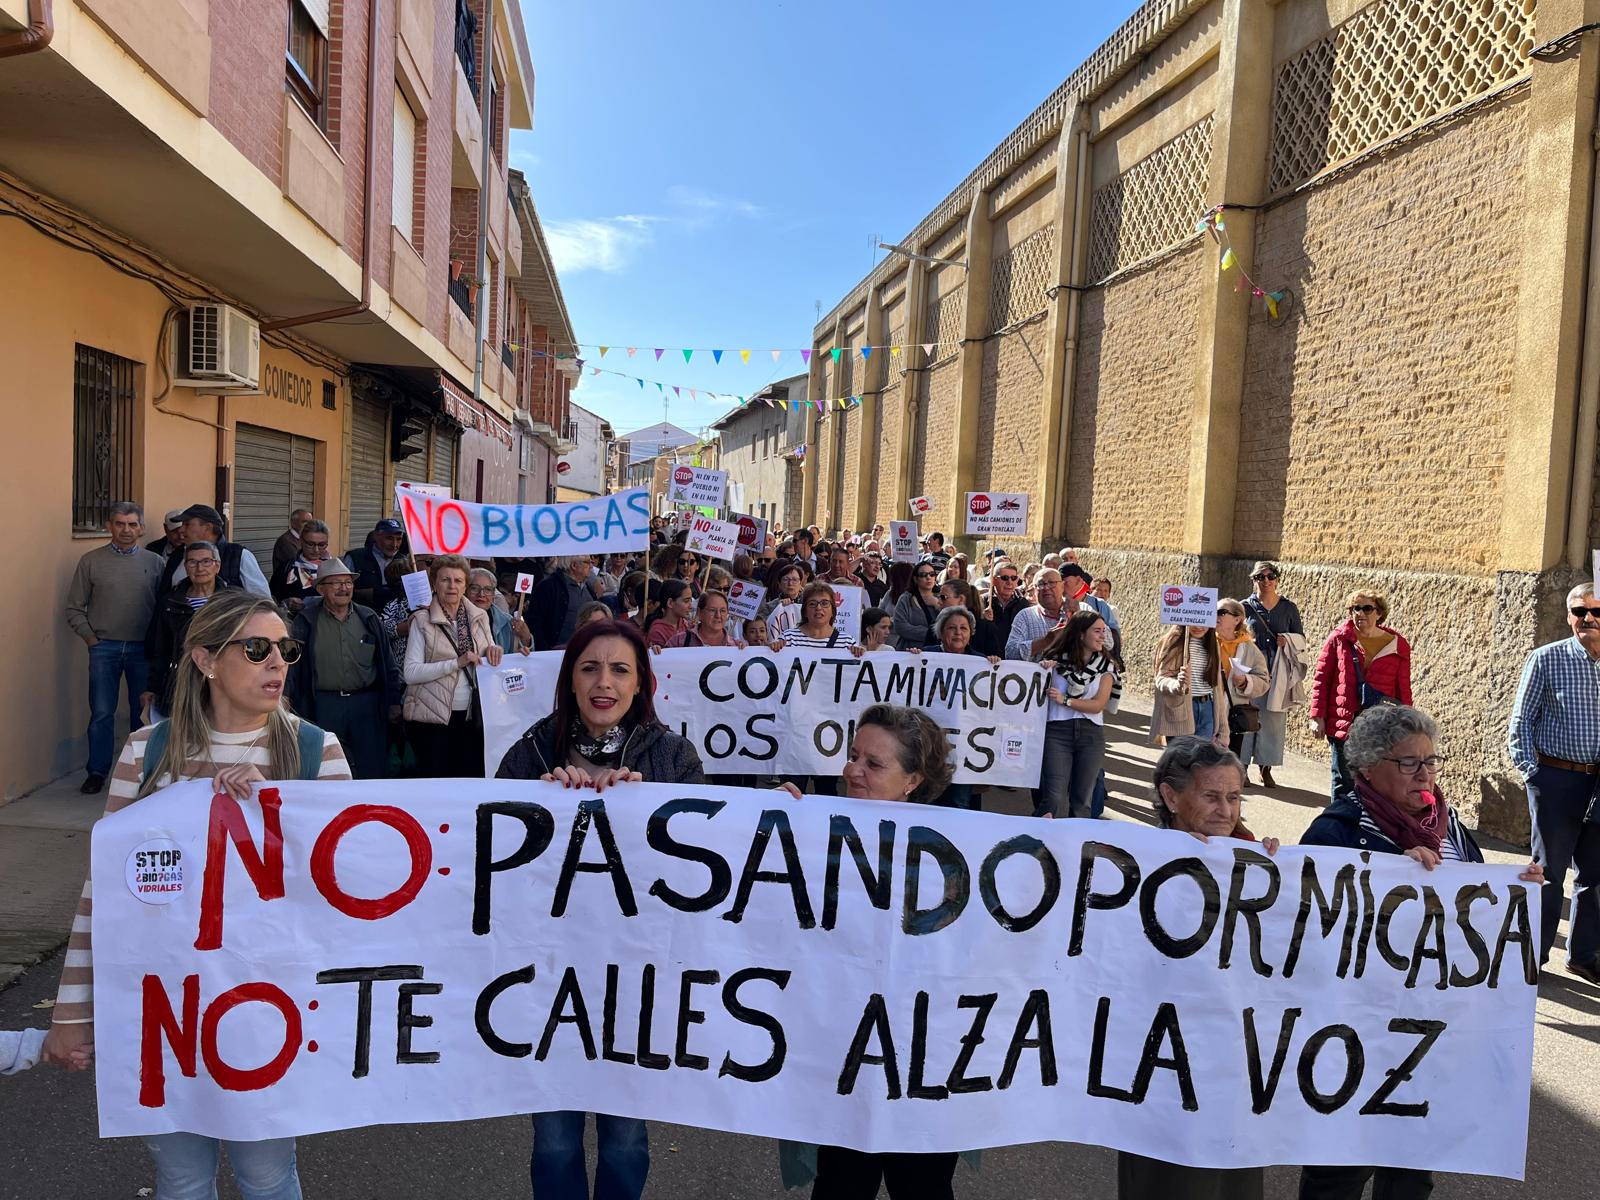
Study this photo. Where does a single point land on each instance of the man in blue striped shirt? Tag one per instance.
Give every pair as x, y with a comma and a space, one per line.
1555, 744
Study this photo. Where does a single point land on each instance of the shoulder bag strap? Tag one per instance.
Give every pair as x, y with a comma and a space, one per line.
311, 739
155, 746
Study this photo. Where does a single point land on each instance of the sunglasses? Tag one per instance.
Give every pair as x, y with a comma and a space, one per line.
1008, 578
1265, 575
1363, 608
259, 649
1579, 610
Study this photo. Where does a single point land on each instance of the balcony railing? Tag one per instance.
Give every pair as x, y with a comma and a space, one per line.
462, 295
467, 42
509, 357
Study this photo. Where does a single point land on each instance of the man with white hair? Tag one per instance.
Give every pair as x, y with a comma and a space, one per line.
553, 605
1555, 743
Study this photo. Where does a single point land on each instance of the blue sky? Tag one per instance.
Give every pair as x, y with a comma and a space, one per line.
707, 172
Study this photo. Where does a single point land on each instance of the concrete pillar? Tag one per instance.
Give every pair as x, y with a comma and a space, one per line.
898, 504
1055, 425
870, 477
1553, 256
980, 245
1241, 142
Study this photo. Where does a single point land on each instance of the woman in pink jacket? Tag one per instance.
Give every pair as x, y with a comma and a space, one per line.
1363, 663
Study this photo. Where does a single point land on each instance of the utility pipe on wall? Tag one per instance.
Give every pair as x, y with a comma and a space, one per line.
485, 88
34, 36
1588, 415
1080, 221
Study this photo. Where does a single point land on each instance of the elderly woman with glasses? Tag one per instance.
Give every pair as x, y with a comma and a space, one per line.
509, 630
1274, 622
1363, 663
1396, 807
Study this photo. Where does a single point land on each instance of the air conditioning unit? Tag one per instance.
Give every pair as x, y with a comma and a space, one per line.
217, 347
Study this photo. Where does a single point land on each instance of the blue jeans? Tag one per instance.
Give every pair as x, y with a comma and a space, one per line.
109, 663
1559, 801
1205, 717
186, 1167
558, 1170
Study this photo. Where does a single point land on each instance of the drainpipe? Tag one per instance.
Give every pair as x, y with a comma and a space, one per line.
40, 29
1074, 301
1583, 444
485, 87
352, 310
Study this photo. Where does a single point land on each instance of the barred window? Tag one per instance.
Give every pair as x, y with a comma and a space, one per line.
104, 394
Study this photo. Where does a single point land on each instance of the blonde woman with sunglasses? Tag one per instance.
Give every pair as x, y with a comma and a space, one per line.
230, 724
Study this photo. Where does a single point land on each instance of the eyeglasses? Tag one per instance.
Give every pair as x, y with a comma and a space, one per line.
481, 590
201, 560
1579, 610
1008, 578
1411, 765
1366, 608
259, 649
1265, 575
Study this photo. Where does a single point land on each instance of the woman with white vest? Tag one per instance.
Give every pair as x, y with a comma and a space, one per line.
444, 722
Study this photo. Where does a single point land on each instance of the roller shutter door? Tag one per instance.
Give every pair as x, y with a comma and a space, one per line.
443, 469
413, 468
369, 440
274, 473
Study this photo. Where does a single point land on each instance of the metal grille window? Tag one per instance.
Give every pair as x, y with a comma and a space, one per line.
104, 396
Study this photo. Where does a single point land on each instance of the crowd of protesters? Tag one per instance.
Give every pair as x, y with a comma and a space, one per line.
323, 669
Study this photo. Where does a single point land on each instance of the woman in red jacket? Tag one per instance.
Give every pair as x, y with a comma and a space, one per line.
1363, 663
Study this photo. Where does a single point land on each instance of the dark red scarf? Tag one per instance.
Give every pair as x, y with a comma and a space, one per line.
1405, 830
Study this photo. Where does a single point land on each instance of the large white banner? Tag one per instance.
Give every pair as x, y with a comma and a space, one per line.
858, 973
792, 712
600, 526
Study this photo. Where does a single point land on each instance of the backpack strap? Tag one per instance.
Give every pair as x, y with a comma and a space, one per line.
833, 638
311, 740
155, 746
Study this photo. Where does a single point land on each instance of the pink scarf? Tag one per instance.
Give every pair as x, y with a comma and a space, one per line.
1402, 828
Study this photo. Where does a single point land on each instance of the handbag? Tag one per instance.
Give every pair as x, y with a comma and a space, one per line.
1367, 696
1242, 718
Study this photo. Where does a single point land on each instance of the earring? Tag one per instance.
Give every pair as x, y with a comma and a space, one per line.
210, 676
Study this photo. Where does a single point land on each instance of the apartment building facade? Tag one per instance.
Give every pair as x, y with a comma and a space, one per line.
243, 270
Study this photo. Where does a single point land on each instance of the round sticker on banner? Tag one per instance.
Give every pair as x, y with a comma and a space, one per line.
980, 504
513, 682
1013, 748
1172, 597
154, 871
683, 475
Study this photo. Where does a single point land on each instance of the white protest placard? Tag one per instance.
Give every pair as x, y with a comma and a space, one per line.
752, 533
851, 602
921, 504
697, 486
607, 523
524, 583
1188, 606
744, 598
905, 544
782, 714
390, 951
997, 514
719, 539
419, 592
783, 616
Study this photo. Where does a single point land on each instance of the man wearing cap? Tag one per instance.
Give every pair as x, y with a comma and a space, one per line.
109, 602
202, 523
172, 539
347, 680
287, 548
372, 560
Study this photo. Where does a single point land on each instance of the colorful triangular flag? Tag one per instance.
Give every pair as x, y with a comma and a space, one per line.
776, 355
659, 353
866, 353
631, 350
716, 357
687, 355
676, 392
805, 356
835, 352
1227, 258
744, 355
661, 389
927, 349
603, 350
640, 382
894, 351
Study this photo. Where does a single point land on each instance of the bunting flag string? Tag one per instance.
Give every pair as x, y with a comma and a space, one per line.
835, 404
1214, 225
836, 353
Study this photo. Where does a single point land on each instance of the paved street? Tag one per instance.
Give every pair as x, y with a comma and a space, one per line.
51, 1149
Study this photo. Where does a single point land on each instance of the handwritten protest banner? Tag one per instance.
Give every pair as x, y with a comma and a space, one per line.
698, 486
1188, 606
876, 975
607, 523
997, 514
716, 539
793, 713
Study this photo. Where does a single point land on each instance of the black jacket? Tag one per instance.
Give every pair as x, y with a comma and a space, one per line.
546, 611
163, 644
655, 752
232, 554
1340, 825
302, 684
371, 590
